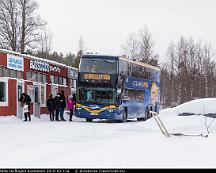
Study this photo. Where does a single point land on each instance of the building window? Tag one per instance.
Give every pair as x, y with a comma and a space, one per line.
56, 80
3, 92
51, 78
6, 72
64, 81
60, 80
39, 76
1, 71
13, 74
20, 75
44, 78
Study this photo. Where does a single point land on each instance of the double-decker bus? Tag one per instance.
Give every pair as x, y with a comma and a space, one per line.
116, 88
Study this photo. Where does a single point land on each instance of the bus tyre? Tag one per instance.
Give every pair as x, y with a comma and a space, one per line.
89, 119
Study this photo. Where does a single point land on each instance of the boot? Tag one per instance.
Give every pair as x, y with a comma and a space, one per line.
29, 116
25, 115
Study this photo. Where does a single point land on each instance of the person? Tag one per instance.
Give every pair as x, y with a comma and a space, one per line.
62, 105
74, 99
51, 106
26, 104
70, 105
57, 105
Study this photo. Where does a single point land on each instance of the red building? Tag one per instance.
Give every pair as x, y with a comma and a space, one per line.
35, 76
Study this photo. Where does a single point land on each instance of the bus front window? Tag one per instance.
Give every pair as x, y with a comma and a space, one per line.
104, 96
98, 66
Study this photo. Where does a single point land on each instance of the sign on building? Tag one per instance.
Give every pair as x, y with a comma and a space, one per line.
15, 62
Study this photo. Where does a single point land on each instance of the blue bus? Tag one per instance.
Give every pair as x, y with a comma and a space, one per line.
116, 88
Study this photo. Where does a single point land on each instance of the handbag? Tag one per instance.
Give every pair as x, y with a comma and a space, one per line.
25, 109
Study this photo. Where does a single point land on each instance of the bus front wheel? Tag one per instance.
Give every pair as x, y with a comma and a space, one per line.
89, 119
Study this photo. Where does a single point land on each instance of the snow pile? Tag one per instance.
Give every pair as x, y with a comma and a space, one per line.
197, 107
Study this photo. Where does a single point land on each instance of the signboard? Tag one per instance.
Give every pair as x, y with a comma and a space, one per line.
73, 73
135, 83
43, 66
15, 63
96, 76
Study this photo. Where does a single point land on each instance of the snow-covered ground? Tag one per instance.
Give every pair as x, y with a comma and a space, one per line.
78, 144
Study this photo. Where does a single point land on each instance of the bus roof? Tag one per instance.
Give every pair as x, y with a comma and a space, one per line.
99, 55
140, 63
123, 58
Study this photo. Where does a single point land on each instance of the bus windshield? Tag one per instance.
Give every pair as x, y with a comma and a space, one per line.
104, 96
96, 65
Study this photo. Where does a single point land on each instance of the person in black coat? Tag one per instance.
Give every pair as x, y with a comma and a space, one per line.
57, 106
62, 105
25, 99
51, 106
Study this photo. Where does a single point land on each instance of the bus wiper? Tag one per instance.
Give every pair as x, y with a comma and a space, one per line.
108, 61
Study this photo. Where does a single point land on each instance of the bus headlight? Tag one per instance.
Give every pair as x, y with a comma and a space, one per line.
111, 110
78, 109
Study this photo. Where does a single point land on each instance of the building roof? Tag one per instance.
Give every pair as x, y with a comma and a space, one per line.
35, 58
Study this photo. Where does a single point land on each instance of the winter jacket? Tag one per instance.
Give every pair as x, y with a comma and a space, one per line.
70, 103
62, 101
51, 103
25, 100
57, 102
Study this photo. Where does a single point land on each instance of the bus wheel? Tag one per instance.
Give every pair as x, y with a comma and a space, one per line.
89, 119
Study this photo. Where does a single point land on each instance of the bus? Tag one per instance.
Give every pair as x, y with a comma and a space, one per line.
116, 88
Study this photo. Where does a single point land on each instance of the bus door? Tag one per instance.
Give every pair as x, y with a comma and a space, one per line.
147, 100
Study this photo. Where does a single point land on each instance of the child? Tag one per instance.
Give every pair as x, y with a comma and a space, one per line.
70, 106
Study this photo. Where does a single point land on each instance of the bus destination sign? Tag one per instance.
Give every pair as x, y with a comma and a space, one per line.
96, 76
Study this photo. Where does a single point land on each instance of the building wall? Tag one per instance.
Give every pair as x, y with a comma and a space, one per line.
3, 59
11, 109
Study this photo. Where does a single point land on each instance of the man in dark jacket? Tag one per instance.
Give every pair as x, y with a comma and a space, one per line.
62, 105
51, 106
57, 106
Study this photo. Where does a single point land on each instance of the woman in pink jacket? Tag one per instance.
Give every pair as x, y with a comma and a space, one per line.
70, 105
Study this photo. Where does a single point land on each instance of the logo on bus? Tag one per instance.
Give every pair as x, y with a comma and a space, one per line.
96, 76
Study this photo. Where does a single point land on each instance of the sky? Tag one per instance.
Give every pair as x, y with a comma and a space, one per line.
106, 24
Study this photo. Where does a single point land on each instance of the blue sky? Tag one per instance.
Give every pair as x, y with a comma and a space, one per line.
106, 24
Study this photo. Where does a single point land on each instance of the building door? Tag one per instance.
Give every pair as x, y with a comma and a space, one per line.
36, 101
19, 93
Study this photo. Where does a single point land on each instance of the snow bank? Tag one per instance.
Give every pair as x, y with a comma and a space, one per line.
197, 107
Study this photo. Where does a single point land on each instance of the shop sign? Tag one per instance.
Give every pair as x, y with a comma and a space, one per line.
15, 63
73, 73
43, 66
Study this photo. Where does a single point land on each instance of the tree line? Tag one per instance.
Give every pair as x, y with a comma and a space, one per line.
189, 70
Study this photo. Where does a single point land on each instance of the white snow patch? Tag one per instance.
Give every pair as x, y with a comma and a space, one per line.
78, 144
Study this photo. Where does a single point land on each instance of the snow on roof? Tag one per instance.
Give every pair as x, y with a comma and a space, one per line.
36, 58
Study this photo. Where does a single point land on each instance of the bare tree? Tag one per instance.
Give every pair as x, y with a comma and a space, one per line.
30, 24
9, 24
192, 72
19, 25
139, 47
131, 47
